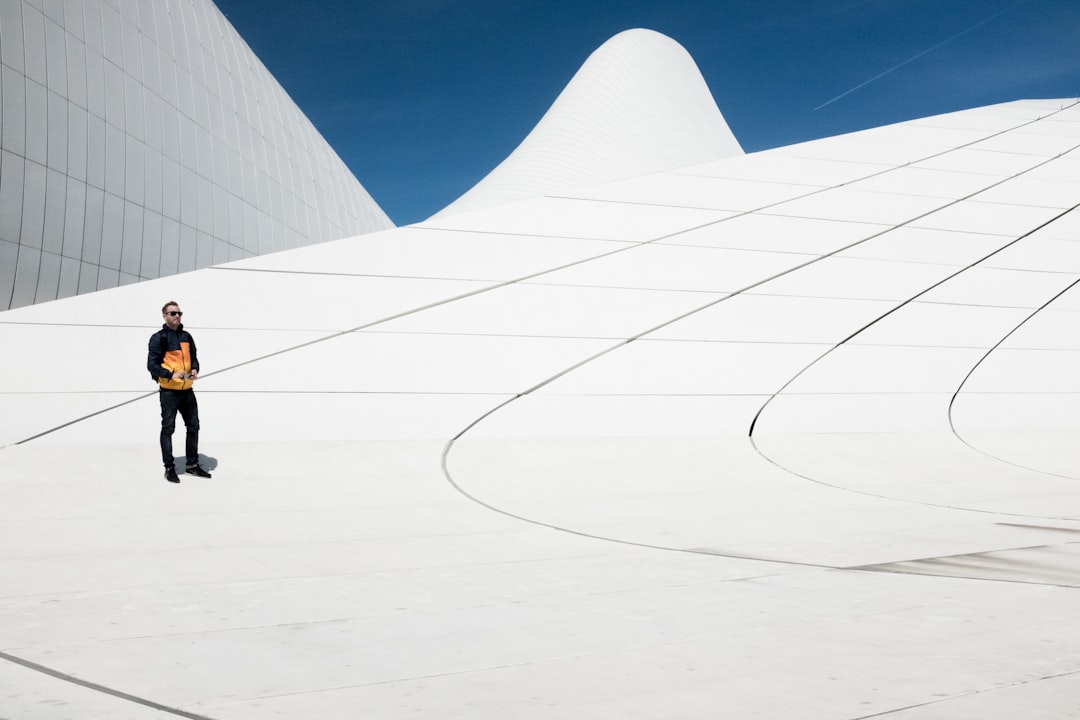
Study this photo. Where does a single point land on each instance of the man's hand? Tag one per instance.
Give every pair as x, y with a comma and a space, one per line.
181, 375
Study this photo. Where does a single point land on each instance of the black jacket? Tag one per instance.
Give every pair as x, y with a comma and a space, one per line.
172, 351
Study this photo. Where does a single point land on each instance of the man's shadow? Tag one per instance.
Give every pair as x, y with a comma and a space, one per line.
206, 462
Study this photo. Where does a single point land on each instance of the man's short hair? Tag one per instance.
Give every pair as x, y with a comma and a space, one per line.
165, 307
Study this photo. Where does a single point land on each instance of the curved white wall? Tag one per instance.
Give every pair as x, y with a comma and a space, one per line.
144, 138
638, 105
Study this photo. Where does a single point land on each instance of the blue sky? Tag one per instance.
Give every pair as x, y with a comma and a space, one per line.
422, 98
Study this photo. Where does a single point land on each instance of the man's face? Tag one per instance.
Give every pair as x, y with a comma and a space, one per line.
172, 316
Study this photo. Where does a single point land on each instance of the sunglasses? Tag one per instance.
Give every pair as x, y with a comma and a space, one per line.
175, 313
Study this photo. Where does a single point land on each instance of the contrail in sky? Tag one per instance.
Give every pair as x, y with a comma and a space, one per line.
913, 58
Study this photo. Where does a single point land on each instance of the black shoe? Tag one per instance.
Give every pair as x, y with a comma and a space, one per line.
196, 470
170, 474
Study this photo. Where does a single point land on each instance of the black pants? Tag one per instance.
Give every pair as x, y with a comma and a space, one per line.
182, 401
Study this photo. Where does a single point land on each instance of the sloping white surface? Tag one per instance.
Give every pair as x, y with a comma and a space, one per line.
144, 139
638, 105
587, 456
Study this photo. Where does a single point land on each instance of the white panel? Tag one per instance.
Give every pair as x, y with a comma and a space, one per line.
694, 192
358, 362
55, 209
188, 151
112, 233
87, 277
758, 231
874, 369
150, 263
1040, 193
76, 70
33, 26
205, 205
853, 205
77, 138
151, 73
967, 119
92, 10
170, 248
771, 166
95, 211
153, 166
1065, 169
37, 128
9, 258
687, 368
1029, 144
673, 267
74, 222
131, 255
580, 218
33, 206
858, 279
845, 413
107, 278
48, 282
73, 18
939, 325
129, 9
96, 148
204, 250
204, 150
1057, 126
167, 75
188, 248
1027, 371
12, 171
115, 145
910, 244
134, 121
13, 132
551, 311
26, 276
56, 58
1048, 329
95, 83
980, 417
134, 170
11, 47
595, 416
112, 35
926, 181
762, 318
894, 151
189, 197
69, 277
435, 254
1040, 254
1006, 288
971, 216
221, 216
170, 133
1065, 227
975, 160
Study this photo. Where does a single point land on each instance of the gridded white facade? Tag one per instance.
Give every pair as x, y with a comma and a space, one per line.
142, 138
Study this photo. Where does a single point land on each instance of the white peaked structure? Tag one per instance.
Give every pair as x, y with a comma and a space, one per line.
144, 138
782, 435
638, 105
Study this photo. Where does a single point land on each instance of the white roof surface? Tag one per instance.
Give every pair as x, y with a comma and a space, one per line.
500, 464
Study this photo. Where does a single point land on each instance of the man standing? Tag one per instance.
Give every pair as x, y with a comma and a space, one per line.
173, 361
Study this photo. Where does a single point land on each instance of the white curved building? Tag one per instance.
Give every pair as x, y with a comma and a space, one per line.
143, 139
780, 435
638, 105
